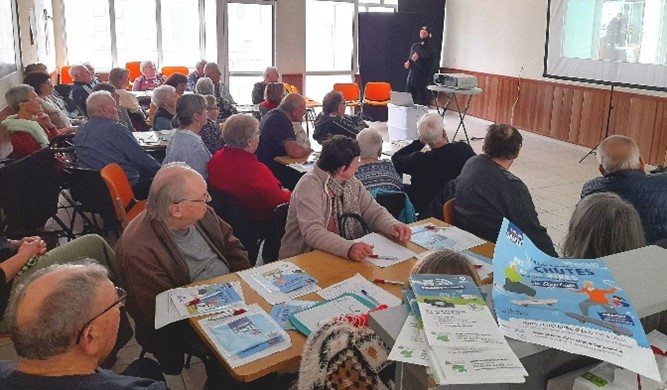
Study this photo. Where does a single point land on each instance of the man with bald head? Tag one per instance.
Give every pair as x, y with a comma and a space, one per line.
212, 71
622, 170
277, 138
176, 241
81, 87
64, 322
102, 140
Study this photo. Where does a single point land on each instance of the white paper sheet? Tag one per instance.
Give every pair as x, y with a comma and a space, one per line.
444, 237
410, 346
383, 246
363, 288
313, 317
276, 297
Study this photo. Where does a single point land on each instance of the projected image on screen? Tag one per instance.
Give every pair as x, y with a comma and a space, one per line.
614, 41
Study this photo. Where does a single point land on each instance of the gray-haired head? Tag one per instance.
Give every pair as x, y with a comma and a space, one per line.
370, 143
187, 106
116, 76
603, 224
331, 101
18, 94
96, 101
200, 65
239, 130
75, 69
618, 152
55, 324
167, 188
271, 74
211, 101
35, 67
162, 94
431, 128
291, 102
146, 63
205, 86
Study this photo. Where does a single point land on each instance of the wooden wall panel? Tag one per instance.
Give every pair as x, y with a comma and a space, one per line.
572, 113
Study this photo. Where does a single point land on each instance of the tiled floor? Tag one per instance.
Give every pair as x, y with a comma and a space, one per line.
550, 169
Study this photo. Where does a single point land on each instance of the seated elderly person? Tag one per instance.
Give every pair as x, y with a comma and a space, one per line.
196, 75
205, 86
271, 75
150, 78
64, 322
179, 81
622, 169
123, 114
316, 217
333, 120
373, 173
211, 133
430, 170
41, 82
54, 97
236, 170
30, 128
120, 78
81, 87
273, 95
164, 98
603, 224
176, 241
186, 145
212, 71
102, 140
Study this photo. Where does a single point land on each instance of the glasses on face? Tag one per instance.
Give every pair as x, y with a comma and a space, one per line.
121, 297
206, 199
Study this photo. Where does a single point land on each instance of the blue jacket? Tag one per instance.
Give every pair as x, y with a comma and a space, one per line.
408, 213
648, 193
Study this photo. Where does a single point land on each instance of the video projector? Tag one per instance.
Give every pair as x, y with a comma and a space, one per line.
455, 80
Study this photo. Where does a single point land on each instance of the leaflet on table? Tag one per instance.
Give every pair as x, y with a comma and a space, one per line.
310, 319
185, 302
279, 282
431, 237
482, 264
410, 345
362, 287
280, 313
388, 252
410, 299
573, 305
475, 365
247, 337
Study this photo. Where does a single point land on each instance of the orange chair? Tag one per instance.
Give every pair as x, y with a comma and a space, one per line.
126, 206
377, 95
169, 70
350, 94
134, 68
448, 211
290, 88
65, 78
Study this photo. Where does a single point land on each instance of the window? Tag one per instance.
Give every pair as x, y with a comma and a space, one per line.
136, 37
329, 36
178, 42
89, 37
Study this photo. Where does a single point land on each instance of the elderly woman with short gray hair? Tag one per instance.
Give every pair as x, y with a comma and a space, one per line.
205, 86
375, 174
164, 98
236, 170
186, 145
150, 78
211, 133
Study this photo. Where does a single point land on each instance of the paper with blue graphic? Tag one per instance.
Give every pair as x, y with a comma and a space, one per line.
573, 305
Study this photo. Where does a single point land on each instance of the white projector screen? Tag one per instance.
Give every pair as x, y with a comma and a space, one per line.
620, 42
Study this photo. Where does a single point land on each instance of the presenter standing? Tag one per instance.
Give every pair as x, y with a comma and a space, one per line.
419, 66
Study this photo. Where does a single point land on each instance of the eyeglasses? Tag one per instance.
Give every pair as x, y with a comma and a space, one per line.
121, 297
206, 199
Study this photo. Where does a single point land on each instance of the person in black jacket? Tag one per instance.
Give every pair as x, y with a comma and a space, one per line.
486, 192
420, 67
623, 173
333, 120
431, 170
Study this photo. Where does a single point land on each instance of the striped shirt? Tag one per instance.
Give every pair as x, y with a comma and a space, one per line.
189, 148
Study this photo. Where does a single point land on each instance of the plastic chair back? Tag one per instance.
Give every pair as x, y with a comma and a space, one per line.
377, 93
394, 203
65, 78
280, 216
291, 88
350, 91
448, 211
227, 207
126, 206
91, 195
169, 70
134, 69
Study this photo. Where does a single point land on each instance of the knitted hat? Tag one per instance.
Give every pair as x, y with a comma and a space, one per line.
340, 356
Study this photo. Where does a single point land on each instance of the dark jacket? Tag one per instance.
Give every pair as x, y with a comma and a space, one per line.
487, 192
430, 170
647, 193
329, 125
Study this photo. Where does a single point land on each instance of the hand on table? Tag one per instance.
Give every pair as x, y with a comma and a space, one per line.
401, 231
359, 251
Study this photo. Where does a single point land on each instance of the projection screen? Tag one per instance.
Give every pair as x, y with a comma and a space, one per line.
621, 42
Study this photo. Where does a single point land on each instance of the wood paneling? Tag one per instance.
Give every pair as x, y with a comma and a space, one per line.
572, 113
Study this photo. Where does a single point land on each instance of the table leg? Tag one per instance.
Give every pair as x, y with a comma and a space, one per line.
445, 107
462, 115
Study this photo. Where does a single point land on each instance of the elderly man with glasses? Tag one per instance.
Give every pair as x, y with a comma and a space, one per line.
333, 120
176, 241
64, 323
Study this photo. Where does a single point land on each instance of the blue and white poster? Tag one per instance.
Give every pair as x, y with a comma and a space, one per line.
572, 305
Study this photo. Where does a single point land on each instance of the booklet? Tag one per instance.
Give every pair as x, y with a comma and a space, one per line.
410, 346
431, 237
279, 282
572, 305
310, 319
280, 313
362, 287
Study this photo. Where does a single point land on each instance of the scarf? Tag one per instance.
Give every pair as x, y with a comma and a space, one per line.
33, 128
344, 202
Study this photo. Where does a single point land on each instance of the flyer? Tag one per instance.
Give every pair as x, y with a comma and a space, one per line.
572, 305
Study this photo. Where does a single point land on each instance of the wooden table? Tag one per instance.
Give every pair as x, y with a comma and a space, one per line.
388, 150
327, 269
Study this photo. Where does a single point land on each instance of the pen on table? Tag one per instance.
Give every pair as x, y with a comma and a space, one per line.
431, 227
197, 300
386, 281
382, 257
370, 297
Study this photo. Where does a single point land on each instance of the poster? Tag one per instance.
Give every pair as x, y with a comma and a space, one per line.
572, 305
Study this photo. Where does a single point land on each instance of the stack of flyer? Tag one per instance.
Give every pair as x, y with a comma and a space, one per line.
280, 281
246, 337
464, 345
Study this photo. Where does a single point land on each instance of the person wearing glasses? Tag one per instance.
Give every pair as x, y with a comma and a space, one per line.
211, 132
64, 321
176, 241
333, 120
